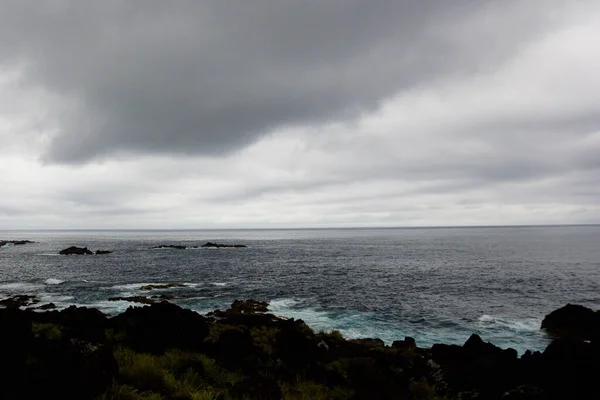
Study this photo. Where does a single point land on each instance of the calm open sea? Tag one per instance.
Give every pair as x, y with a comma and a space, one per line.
438, 285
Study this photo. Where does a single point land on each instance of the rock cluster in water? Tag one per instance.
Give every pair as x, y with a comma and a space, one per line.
207, 244
162, 351
14, 242
82, 251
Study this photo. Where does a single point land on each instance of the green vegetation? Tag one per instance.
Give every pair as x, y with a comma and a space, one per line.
46, 331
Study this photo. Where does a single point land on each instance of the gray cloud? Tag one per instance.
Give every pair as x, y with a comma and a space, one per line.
329, 113
211, 77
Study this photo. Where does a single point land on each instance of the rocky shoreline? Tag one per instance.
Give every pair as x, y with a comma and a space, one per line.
162, 351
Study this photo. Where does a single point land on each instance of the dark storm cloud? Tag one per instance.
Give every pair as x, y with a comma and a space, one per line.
210, 77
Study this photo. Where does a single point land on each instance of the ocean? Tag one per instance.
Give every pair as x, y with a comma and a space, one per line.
437, 285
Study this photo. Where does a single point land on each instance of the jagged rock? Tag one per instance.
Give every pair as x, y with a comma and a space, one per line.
249, 306
22, 300
74, 250
408, 343
162, 286
573, 321
43, 307
220, 245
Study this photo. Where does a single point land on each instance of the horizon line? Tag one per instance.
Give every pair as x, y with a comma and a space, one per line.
301, 228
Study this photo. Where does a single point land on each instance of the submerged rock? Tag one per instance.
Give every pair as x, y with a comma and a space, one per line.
220, 245
103, 252
134, 299
74, 250
162, 286
170, 246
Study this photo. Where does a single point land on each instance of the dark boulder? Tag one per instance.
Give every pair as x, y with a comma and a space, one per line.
74, 250
161, 326
408, 343
573, 321
248, 306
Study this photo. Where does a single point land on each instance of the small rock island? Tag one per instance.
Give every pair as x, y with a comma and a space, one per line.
82, 251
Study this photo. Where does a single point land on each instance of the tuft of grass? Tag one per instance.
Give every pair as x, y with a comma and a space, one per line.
423, 390
46, 331
334, 335
264, 338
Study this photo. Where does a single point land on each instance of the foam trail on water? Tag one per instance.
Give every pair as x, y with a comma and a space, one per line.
526, 324
20, 286
52, 281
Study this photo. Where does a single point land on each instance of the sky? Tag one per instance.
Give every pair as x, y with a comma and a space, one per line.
269, 114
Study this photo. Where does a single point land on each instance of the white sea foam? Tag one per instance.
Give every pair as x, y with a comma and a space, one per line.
129, 286
55, 298
526, 324
281, 304
219, 284
52, 281
20, 286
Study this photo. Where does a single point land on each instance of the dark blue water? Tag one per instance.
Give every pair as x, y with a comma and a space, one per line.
437, 285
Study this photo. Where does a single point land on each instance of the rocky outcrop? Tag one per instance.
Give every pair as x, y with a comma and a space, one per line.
71, 354
74, 250
573, 321
18, 301
221, 245
82, 251
162, 326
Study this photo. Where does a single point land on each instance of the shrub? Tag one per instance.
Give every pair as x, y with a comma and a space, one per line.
46, 331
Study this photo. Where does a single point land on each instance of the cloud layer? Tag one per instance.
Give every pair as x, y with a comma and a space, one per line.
328, 113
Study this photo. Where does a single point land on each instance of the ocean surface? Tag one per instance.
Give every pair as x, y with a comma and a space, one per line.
437, 285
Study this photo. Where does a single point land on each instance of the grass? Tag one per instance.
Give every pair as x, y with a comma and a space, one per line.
46, 331
173, 374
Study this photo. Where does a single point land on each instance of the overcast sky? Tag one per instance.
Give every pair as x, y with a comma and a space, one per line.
270, 113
